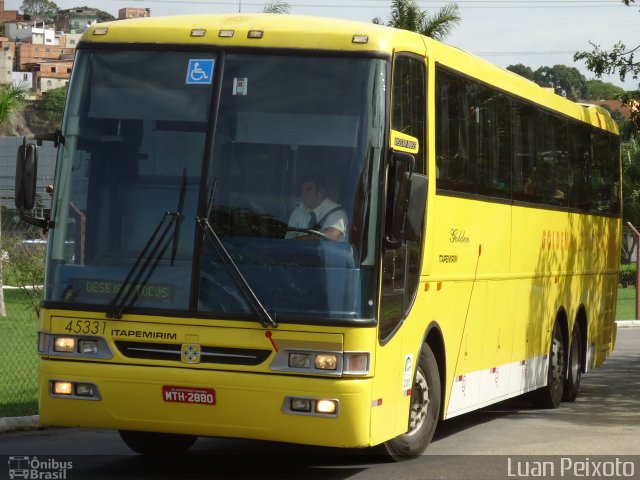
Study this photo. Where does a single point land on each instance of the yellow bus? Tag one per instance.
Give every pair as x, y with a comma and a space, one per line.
315, 231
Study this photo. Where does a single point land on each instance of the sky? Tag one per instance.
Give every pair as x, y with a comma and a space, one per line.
505, 32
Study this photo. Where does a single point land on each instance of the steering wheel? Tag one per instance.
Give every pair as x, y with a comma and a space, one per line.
308, 231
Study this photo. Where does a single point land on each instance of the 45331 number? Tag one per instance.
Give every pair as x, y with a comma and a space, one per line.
87, 327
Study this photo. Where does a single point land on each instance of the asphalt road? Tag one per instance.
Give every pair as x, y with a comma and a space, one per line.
597, 436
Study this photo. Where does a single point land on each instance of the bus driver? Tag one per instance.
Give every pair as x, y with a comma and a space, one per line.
317, 212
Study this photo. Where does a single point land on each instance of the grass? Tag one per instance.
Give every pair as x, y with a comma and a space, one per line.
626, 308
18, 356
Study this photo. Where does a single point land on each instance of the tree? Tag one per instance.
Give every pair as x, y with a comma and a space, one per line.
620, 60
26, 258
521, 70
631, 182
407, 15
42, 10
101, 15
566, 81
599, 90
277, 6
53, 103
619, 118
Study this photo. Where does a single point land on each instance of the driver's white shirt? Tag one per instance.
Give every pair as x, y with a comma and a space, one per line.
301, 217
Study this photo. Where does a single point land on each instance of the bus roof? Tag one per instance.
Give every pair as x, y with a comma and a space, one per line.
330, 34
279, 31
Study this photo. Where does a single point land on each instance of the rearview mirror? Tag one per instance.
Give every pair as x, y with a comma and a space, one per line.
406, 199
26, 175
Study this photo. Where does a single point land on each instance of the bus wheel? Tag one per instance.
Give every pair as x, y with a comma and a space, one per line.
572, 383
551, 395
424, 411
150, 443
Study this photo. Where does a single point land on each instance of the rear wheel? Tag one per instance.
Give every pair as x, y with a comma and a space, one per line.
572, 383
551, 395
424, 411
151, 443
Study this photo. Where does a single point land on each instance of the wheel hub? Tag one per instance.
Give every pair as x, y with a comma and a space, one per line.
419, 402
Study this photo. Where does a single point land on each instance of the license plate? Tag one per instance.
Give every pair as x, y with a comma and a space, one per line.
199, 396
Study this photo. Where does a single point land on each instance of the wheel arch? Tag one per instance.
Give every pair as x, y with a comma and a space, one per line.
563, 319
435, 340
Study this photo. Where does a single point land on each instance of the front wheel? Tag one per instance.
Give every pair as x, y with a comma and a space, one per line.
424, 411
151, 443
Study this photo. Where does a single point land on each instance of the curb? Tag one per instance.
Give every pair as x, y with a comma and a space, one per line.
10, 424
628, 323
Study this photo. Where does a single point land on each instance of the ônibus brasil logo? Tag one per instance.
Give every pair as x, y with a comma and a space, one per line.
38, 469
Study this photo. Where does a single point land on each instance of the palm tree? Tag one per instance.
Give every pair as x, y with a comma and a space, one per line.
12, 98
276, 6
407, 15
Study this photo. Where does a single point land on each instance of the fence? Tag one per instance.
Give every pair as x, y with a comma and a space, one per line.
21, 272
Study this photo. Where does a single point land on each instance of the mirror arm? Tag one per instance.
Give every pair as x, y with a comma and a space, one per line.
45, 223
56, 137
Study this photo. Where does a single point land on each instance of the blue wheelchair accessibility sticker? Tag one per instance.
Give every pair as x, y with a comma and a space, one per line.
200, 71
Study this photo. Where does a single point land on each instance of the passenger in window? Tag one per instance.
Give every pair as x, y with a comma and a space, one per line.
548, 187
317, 212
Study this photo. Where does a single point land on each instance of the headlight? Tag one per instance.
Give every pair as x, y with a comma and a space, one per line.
318, 407
73, 390
88, 346
64, 344
300, 360
326, 361
322, 362
73, 346
62, 388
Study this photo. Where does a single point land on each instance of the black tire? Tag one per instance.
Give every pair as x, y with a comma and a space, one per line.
550, 396
574, 373
151, 443
424, 412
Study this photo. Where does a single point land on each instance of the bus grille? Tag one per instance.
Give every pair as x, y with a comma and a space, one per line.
167, 351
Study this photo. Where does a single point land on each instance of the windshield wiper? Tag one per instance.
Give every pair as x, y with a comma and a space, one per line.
178, 223
232, 268
129, 290
156, 246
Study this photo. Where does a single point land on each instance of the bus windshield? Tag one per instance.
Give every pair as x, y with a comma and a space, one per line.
279, 154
